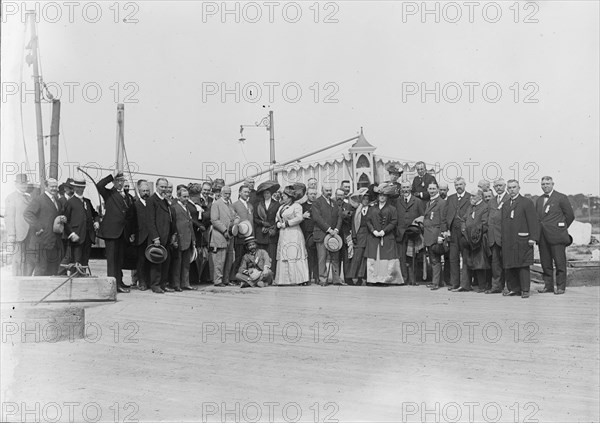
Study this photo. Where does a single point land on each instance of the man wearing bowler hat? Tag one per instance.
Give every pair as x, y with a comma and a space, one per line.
82, 224
17, 229
117, 226
555, 215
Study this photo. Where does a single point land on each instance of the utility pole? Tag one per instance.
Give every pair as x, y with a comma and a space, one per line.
38, 96
272, 175
54, 133
120, 153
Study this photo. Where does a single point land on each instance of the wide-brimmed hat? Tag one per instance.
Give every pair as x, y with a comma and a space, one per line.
244, 228
249, 239
77, 182
386, 188
333, 243
233, 229
156, 254
357, 196
271, 186
394, 167
413, 231
58, 227
292, 192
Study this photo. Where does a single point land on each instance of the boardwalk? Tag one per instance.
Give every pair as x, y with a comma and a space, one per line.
316, 354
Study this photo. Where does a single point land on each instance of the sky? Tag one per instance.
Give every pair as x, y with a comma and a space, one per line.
482, 90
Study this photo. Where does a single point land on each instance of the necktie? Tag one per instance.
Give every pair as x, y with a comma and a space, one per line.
406, 200
546, 197
499, 197
54, 202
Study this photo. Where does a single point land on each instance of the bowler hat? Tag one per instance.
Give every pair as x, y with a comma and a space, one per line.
333, 243
156, 254
244, 228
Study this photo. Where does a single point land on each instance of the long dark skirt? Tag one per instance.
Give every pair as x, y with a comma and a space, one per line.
358, 267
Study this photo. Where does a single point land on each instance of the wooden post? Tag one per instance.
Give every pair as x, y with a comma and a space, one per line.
54, 133
120, 153
272, 144
38, 103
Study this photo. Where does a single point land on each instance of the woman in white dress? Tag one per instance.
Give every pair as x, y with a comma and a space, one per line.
292, 262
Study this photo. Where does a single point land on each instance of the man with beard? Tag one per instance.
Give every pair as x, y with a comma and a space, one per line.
409, 208
456, 211
495, 235
443, 191
328, 220
422, 181
346, 187
476, 228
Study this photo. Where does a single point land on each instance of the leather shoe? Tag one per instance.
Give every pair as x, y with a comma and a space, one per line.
143, 288
451, 289
189, 288
460, 289
434, 288
559, 292
546, 291
220, 285
122, 289
511, 294
493, 291
525, 295
177, 289
158, 291
341, 283
167, 289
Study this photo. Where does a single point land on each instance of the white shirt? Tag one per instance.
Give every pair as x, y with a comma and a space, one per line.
143, 201
267, 203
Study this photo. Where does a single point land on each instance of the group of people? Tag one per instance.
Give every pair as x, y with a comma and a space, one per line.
383, 234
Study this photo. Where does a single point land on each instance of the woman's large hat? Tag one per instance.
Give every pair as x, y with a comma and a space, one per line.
156, 254
386, 188
271, 186
293, 192
357, 196
333, 243
244, 228
394, 167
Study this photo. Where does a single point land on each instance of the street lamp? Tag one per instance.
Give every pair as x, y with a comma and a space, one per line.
266, 122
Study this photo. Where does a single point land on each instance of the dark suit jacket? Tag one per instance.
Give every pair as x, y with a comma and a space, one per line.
40, 214
80, 219
519, 226
555, 217
183, 225
160, 221
259, 223
420, 185
384, 219
142, 232
456, 212
495, 220
325, 217
347, 213
407, 212
434, 221
119, 216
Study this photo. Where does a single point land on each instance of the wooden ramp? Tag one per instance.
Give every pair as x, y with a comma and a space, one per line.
316, 353
61, 289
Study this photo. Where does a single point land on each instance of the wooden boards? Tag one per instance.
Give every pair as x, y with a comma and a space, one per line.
33, 289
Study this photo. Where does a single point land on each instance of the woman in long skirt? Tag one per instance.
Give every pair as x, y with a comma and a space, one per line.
383, 266
292, 260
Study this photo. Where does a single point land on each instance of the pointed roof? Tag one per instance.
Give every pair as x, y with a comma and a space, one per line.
361, 143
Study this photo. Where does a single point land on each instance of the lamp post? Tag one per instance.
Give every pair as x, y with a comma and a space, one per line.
266, 122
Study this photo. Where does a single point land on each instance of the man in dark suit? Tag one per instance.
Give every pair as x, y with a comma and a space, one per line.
328, 220
199, 204
308, 227
457, 208
117, 227
347, 213
422, 181
160, 232
245, 211
434, 227
142, 234
186, 241
495, 235
82, 224
46, 244
520, 232
443, 190
409, 208
265, 226
555, 215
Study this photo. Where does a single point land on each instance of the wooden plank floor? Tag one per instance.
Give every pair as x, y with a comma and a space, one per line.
380, 354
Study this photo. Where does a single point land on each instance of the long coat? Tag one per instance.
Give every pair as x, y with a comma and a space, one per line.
80, 219
119, 216
16, 226
407, 212
222, 216
519, 225
141, 235
40, 214
360, 233
434, 221
260, 223
183, 225
477, 223
456, 210
382, 219
495, 220
160, 221
555, 217
325, 216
